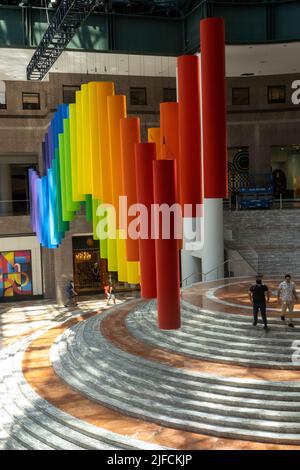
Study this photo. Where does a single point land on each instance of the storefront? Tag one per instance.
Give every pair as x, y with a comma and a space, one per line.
286, 170
90, 271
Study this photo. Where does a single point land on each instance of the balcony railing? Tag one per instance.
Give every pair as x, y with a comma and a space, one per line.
280, 203
14, 208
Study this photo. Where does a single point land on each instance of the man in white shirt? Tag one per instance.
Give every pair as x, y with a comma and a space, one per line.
287, 295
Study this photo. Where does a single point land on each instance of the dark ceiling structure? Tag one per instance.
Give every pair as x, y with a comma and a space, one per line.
148, 27
71, 14
171, 8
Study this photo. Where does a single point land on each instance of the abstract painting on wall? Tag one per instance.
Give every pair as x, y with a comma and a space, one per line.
15, 274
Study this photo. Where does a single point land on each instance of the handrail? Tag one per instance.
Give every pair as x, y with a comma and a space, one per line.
276, 203
245, 246
228, 261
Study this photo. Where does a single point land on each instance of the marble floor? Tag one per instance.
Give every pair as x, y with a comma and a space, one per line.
111, 378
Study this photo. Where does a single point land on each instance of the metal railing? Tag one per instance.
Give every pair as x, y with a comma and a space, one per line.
281, 203
246, 251
14, 207
286, 203
221, 268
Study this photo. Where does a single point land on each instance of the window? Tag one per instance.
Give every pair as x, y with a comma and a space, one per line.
69, 93
14, 195
276, 94
2, 100
2, 95
240, 96
138, 96
31, 101
169, 94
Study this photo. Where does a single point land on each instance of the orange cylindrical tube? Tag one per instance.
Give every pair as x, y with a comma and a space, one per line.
130, 135
116, 111
169, 137
154, 137
116, 106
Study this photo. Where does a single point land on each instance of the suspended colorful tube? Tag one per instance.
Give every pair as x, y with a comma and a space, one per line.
92, 155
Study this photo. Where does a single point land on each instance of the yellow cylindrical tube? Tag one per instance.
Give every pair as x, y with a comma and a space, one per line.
102, 183
121, 254
133, 272
94, 141
86, 141
80, 159
73, 149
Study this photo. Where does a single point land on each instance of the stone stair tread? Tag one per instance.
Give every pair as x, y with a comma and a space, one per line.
204, 426
51, 424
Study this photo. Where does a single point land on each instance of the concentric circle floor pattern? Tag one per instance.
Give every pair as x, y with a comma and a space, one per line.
112, 380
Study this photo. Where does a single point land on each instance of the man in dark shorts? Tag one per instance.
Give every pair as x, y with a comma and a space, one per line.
259, 295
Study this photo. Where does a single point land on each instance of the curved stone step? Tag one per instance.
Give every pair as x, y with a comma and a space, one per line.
208, 424
90, 386
95, 342
201, 332
219, 316
240, 325
215, 354
216, 349
26, 421
172, 394
43, 421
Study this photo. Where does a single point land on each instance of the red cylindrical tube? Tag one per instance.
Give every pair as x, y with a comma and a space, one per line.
213, 93
130, 135
145, 154
189, 131
166, 249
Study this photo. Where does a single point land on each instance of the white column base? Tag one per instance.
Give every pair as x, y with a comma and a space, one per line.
213, 250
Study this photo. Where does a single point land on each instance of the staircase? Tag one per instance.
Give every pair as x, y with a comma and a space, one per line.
28, 422
273, 235
201, 402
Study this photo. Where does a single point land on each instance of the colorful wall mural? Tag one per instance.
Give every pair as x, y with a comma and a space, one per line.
15, 274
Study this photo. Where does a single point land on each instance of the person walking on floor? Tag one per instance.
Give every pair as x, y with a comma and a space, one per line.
259, 296
287, 295
112, 295
106, 291
71, 294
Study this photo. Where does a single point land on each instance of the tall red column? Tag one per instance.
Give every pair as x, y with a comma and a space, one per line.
145, 154
189, 131
166, 249
213, 93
